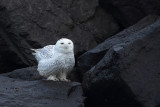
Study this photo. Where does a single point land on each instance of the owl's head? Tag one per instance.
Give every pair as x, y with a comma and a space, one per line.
64, 45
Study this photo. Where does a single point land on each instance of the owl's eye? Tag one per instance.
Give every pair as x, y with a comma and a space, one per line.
62, 43
69, 43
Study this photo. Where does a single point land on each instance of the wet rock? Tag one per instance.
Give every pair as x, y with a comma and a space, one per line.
124, 70
34, 24
39, 93
128, 12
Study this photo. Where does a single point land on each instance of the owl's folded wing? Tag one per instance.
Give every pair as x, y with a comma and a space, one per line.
44, 53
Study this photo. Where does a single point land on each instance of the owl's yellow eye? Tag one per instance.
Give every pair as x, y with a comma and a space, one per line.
62, 43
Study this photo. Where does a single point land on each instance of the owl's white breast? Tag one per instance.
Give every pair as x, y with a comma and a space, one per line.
59, 64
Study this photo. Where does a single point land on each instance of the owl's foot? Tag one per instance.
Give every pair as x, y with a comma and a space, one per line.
53, 78
67, 80
64, 79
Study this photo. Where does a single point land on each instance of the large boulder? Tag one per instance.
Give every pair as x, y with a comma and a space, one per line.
24, 88
124, 70
128, 12
35, 23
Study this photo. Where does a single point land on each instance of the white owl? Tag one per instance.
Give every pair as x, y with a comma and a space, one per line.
56, 61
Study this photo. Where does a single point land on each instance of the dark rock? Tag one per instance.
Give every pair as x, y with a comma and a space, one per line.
128, 12
26, 84
92, 57
39, 93
34, 24
126, 68
9, 60
29, 73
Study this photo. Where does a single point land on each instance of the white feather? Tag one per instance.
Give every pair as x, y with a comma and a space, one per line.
44, 53
56, 61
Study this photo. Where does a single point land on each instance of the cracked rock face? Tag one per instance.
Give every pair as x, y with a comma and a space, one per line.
124, 70
33, 24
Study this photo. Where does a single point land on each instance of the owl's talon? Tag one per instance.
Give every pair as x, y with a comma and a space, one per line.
52, 78
63, 79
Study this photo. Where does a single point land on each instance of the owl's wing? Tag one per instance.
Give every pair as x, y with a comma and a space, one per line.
48, 67
44, 53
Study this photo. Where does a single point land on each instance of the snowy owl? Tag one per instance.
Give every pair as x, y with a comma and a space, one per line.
55, 61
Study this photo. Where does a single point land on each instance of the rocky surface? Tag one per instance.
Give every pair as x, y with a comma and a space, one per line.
33, 24
28, 73
24, 88
31, 74
128, 12
8, 59
124, 70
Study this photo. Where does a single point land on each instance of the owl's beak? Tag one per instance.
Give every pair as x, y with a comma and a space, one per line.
66, 47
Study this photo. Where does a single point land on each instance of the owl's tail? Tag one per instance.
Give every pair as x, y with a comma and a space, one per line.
34, 51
